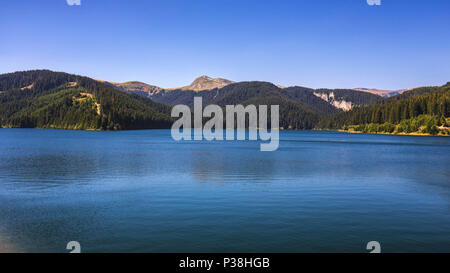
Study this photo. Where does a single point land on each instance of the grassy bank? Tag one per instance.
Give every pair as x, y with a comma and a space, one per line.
423, 125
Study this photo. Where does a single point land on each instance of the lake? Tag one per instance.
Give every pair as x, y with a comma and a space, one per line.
140, 191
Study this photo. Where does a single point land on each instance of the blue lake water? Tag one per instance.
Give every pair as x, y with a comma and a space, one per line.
140, 191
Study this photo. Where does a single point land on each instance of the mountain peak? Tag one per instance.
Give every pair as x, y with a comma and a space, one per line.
207, 83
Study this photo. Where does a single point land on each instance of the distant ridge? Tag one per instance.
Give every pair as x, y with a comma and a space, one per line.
201, 83
137, 87
382, 93
204, 83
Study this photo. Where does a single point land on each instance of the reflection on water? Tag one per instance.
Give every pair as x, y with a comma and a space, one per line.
140, 191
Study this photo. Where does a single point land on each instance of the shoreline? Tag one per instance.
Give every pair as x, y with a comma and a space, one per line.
384, 133
329, 130
87, 130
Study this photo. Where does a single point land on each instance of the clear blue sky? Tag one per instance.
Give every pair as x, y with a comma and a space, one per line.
314, 43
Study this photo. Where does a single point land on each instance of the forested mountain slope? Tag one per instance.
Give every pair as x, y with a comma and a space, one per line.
422, 110
300, 108
47, 99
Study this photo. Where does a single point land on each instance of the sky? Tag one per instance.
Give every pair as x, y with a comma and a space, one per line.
313, 43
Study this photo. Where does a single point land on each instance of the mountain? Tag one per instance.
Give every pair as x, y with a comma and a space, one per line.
345, 99
423, 110
199, 84
205, 83
332, 100
382, 93
325, 101
47, 99
136, 87
293, 114
300, 108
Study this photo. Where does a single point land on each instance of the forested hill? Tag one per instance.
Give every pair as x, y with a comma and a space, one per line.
300, 107
325, 101
47, 99
421, 110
